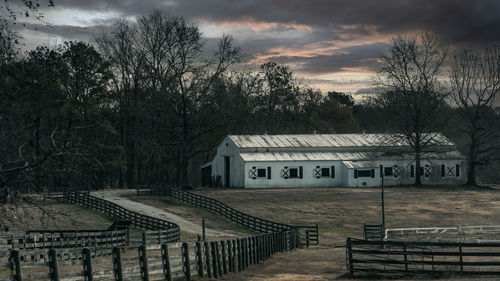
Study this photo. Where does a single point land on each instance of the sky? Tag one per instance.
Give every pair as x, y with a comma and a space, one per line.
332, 44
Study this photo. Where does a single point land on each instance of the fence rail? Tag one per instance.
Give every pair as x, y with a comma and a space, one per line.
165, 261
169, 231
422, 258
65, 239
455, 233
308, 233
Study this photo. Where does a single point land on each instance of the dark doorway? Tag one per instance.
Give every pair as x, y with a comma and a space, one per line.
206, 176
226, 171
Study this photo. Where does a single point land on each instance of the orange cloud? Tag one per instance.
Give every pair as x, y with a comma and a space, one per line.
258, 26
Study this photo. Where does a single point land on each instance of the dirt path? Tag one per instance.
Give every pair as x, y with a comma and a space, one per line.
116, 196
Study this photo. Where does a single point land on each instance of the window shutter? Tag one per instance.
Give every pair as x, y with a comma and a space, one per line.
442, 171
333, 172
268, 173
301, 172
373, 173
457, 170
355, 174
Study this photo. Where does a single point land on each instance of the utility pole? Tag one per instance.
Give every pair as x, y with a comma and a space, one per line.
382, 201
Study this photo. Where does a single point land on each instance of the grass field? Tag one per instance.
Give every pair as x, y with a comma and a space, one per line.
49, 214
341, 212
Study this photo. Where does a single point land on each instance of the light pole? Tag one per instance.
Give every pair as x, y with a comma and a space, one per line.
382, 197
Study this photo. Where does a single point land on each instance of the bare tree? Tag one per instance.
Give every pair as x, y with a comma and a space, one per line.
165, 81
475, 80
413, 95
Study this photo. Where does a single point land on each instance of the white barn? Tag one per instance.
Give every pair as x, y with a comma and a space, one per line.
350, 160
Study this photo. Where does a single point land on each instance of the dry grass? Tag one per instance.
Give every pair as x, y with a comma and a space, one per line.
341, 212
195, 215
55, 216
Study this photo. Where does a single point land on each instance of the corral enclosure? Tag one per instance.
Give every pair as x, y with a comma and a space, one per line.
340, 213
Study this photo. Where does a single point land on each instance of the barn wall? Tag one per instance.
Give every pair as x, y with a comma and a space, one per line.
308, 180
434, 178
361, 181
227, 148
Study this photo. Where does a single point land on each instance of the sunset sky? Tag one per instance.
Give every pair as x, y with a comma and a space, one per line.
332, 44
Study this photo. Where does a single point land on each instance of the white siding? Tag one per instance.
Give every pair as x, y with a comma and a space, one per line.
242, 163
308, 180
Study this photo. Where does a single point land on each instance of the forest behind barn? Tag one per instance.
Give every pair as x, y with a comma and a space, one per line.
145, 104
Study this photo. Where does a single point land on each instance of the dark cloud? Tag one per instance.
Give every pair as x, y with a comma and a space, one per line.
458, 21
362, 56
264, 27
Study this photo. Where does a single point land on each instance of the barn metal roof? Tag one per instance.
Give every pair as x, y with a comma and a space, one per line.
342, 156
325, 140
360, 164
301, 156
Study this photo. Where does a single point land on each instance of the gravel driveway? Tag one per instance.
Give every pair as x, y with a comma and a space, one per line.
116, 196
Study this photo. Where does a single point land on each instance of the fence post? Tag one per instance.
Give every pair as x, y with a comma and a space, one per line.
207, 259
461, 259
203, 228
117, 264
245, 253
218, 256
17, 263
214, 260
185, 258
54, 271
143, 263
349, 256
224, 256
406, 259
199, 259
87, 265
317, 234
238, 249
230, 256
166, 262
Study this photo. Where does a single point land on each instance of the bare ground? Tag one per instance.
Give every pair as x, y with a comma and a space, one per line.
49, 214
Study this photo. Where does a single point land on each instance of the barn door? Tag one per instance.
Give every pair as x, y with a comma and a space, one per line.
226, 170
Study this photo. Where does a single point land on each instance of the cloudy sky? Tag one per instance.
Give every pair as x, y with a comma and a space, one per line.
333, 44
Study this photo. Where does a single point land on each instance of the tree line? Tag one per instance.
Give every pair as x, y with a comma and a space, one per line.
145, 103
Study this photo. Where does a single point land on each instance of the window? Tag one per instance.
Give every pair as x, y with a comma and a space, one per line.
333, 172
364, 173
388, 171
261, 173
442, 171
412, 171
421, 171
325, 172
292, 172
457, 170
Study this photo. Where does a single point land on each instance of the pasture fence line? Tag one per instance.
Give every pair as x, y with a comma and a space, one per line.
308, 234
65, 239
146, 262
163, 230
416, 258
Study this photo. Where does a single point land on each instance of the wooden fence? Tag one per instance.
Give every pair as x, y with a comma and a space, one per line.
169, 231
308, 233
422, 258
65, 239
158, 262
